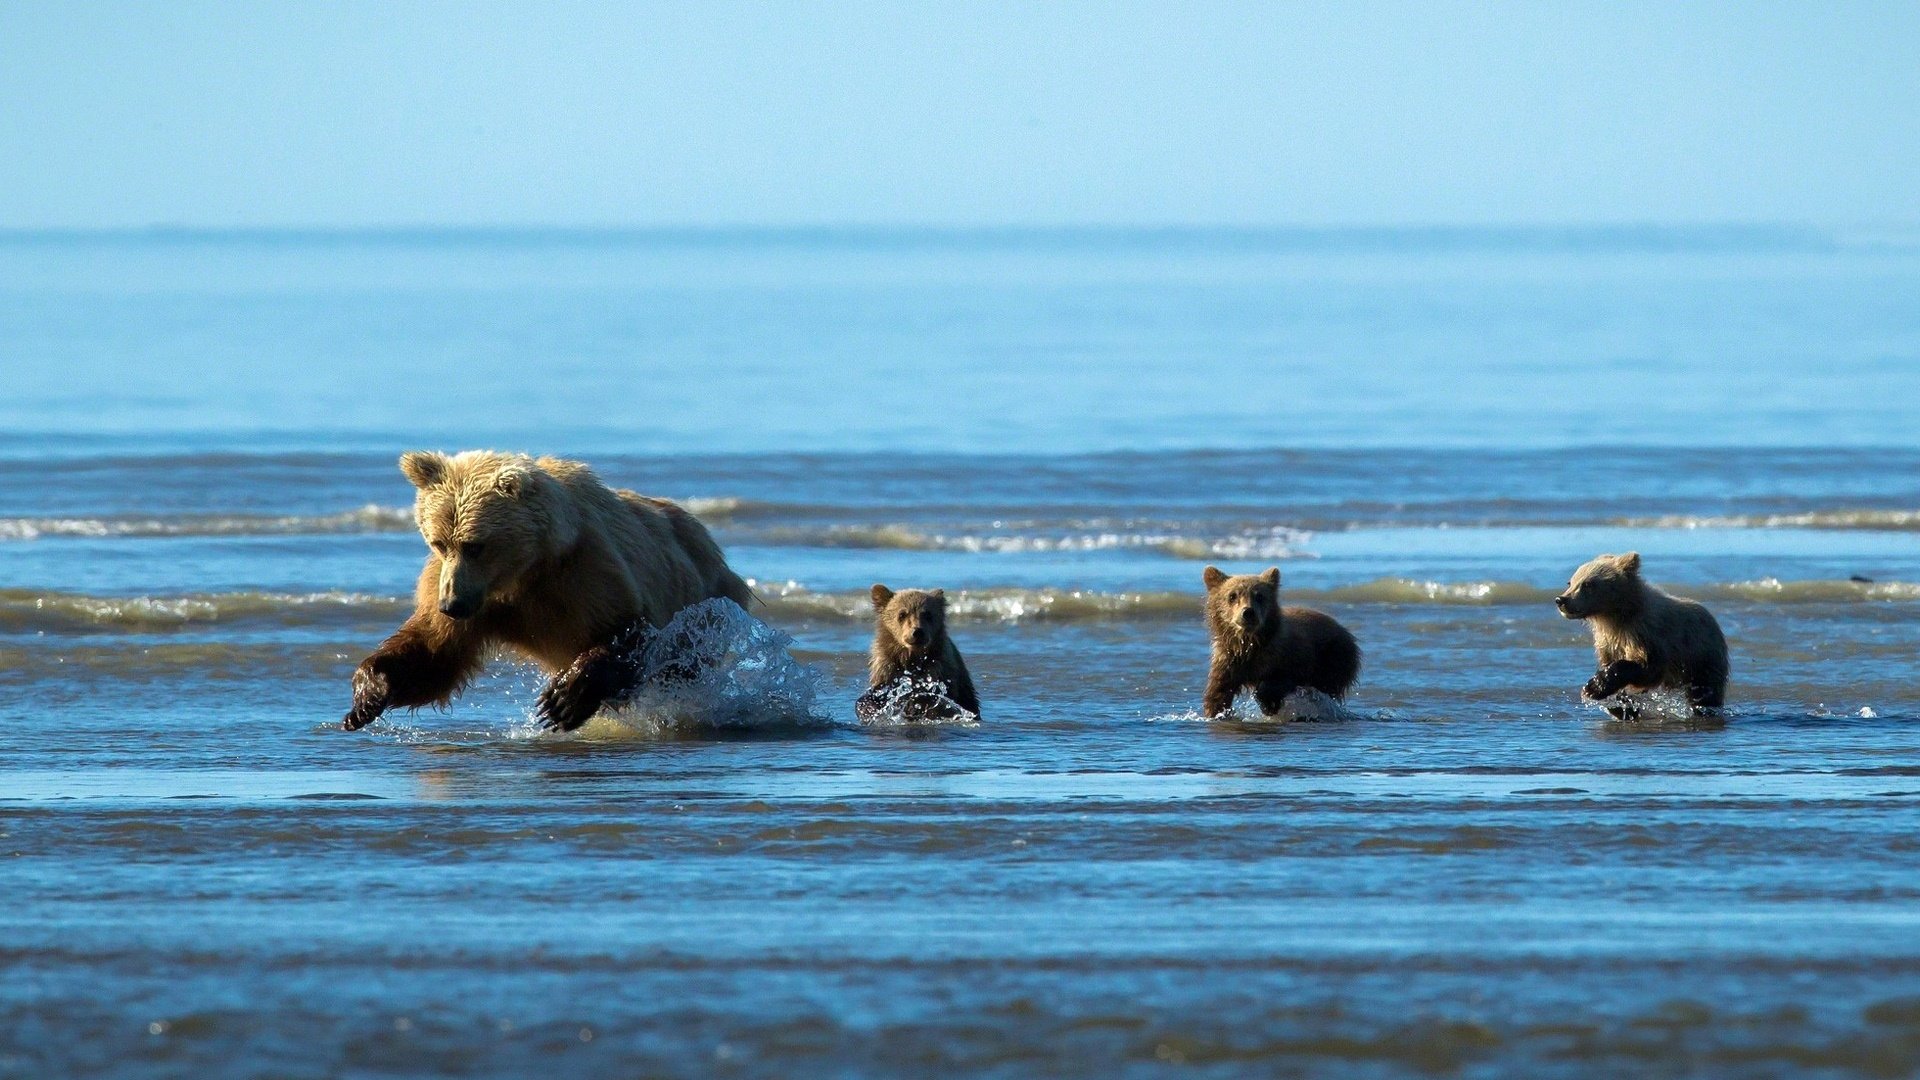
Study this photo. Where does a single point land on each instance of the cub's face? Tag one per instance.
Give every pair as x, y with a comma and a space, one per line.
914, 619
1244, 606
1608, 583
474, 516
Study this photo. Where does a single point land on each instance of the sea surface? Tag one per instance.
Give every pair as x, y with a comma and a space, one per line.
1465, 871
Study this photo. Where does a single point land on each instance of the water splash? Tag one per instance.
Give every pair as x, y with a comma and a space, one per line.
915, 703
1661, 708
1303, 705
716, 668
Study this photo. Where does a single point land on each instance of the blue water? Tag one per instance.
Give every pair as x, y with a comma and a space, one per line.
1467, 872
1045, 343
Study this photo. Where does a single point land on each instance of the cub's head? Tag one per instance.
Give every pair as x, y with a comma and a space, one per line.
489, 518
1609, 585
913, 619
1243, 607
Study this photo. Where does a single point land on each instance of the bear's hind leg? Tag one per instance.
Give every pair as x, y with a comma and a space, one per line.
1273, 694
1706, 698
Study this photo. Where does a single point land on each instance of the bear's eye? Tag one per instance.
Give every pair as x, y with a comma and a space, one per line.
471, 549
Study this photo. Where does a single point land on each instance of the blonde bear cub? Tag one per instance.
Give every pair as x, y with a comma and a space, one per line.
1643, 638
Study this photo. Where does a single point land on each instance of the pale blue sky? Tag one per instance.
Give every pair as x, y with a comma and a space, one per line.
847, 112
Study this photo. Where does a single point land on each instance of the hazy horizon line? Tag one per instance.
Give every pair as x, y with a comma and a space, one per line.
1795, 234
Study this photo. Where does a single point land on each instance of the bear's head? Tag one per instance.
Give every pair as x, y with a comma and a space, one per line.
1243, 608
1609, 585
489, 519
914, 620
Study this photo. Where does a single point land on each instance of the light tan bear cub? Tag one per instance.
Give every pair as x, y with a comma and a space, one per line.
540, 556
1271, 649
911, 644
1643, 638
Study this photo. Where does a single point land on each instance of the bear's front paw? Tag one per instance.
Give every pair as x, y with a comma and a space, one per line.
563, 705
595, 677
370, 696
1596, 689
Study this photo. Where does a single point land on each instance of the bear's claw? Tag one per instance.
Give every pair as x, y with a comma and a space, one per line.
595, 677
560, 707
369, 699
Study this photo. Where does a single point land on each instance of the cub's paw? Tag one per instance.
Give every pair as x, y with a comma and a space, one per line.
370, 697
1595, 690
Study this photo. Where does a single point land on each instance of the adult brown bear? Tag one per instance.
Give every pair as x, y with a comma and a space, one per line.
540, 556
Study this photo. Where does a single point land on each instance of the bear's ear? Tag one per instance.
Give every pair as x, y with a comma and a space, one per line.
1213, 577
424, 468
1630, 562
510, 483
1272, 576
881, 596
939, 594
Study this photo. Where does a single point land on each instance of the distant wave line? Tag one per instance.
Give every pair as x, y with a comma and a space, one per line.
29, 610
371, 518
775, 524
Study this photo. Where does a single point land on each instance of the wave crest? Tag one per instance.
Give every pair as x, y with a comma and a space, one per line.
55, 612
1862, 520
366, 519
1278, 542
31, 610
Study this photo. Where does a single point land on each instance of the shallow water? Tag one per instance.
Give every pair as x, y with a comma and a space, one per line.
1468, 872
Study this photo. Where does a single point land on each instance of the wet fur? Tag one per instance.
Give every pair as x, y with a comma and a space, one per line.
566, 566
894, 656
1643, 638
1284, 649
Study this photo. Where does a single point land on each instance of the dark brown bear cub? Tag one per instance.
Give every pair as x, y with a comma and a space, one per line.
1643, 638
1275, 650
912, 655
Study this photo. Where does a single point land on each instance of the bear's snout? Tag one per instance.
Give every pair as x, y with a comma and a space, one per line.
918, 637
455, 608
1565, 603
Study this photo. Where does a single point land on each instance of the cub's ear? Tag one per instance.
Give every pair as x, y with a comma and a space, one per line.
939, 594
424, 468
1213, 577
1272, 576
1630, 562
882, 596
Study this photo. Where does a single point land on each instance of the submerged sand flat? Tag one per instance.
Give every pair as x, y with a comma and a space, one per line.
1464, 872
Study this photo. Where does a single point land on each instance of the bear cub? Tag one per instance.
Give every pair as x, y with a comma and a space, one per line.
1274, 650
1644, 638
910, 644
